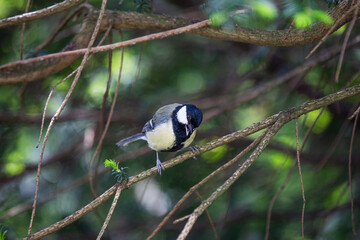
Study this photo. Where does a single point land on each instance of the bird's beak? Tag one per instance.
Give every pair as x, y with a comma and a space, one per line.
189, 129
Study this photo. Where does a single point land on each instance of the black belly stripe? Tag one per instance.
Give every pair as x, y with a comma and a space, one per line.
175, 148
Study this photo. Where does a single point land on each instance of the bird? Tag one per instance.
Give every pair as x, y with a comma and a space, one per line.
172, 128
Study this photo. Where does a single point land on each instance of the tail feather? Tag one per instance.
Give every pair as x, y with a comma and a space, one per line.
133, 138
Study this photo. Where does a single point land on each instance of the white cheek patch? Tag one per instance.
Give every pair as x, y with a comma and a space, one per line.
182, 115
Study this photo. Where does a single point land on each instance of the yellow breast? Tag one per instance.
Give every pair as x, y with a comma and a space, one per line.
190, 139
162, 138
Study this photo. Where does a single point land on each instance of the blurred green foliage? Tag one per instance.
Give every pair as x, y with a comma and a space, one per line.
309, 16
8, 7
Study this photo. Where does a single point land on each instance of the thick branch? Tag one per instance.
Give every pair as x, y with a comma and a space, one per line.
276, 38
41, 67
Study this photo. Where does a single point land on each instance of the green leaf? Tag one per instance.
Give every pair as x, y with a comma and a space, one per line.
2, 233
111, 163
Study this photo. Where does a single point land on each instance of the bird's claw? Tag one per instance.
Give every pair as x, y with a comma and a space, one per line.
195, 149
159, 166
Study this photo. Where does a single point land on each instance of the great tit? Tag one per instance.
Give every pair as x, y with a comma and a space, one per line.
172, 128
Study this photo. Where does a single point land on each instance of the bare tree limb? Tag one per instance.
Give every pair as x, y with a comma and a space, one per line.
26, 17
41, 67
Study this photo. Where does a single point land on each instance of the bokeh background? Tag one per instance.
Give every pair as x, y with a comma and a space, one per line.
212, 74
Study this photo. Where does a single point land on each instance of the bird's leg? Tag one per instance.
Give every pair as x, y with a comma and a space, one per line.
159, 164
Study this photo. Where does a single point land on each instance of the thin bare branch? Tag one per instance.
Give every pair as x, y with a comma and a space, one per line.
350, 178
301, 180
47, 103
181, 219
102, 137
23, 31
343, 48
26, 17
209, 217
355, 113
57, 84
333, 145
272, 202
61, 26
276, 195
114, 46
111, 210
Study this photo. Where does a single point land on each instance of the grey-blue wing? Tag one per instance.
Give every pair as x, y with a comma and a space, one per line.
162, 115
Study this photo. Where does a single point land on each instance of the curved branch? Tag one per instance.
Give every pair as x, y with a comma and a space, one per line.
287, 115
41, 67
275, 38
26, 17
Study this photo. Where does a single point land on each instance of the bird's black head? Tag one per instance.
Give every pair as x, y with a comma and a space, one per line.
194, 115
187, 117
